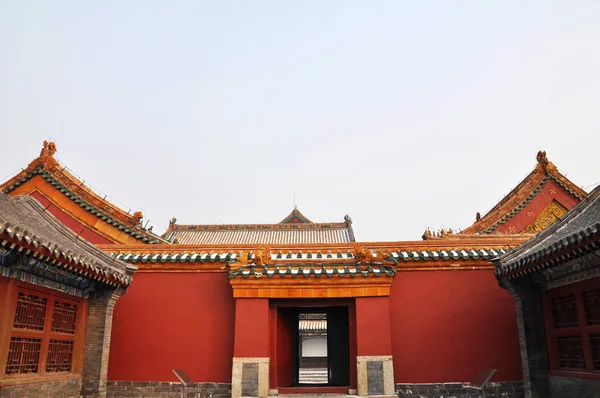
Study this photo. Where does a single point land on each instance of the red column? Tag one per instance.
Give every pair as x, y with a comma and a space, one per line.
250, 372
374, 340
373, 326
251, 328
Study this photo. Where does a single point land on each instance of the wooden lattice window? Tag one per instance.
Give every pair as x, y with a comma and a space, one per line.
591, 300
595, 343
45, 334
31, 312
573, 328
564, 310
570, 352
60, 356
64, 318
23, 355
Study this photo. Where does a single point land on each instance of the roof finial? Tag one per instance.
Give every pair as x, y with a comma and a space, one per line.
295, 207
45, 158
543, 162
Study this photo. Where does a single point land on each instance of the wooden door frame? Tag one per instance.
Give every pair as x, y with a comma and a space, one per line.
312, 304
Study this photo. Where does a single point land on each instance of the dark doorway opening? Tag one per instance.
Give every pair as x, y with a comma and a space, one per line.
313, 346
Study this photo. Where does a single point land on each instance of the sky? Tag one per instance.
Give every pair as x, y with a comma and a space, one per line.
404, 115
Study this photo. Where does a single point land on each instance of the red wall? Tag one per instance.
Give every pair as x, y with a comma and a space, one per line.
252, 328
77, 227
173, 320
373, 326
448, 325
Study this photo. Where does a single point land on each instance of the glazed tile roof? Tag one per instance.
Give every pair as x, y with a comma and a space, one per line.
201, 256
310, 325
294, 229
25, 226
312, 271
48, 168
523, 194
576, 233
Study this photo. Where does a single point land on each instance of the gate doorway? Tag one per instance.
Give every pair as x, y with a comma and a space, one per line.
312, 347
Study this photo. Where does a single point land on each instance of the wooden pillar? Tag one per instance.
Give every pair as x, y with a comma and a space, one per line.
375, 370
250, 373
101, 304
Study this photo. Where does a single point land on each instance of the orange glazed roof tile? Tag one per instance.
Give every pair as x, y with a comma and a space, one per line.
48, 168
294, 229
521, 195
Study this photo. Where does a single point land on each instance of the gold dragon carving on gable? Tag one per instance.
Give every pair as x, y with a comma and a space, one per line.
551, 213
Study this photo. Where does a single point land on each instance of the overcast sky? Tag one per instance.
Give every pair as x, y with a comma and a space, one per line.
402, 114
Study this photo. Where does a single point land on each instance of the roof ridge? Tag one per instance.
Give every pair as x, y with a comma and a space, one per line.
183, 227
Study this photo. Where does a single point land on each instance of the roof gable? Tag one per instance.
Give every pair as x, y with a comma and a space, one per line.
576, 233
295, 217
47, 177
521, 207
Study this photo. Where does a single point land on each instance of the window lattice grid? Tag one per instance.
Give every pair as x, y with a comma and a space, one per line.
30, 312
64, 318
595, 343
23, 355
60, 356
570, 352
564, 310
591, 300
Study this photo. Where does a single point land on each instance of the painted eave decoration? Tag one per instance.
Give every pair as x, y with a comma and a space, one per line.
576, 234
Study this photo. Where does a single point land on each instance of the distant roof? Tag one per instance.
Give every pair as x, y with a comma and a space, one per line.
25, 225
576, 233
312, 325
521, 195
295, 228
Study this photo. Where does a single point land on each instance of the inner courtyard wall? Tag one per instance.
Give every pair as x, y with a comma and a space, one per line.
172, 321
445, 325
449, 325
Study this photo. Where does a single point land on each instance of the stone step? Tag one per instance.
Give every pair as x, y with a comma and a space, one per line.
313, 376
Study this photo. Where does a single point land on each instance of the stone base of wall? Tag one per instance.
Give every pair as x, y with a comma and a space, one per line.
572, 387
165, 389
505, 389
59, 388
